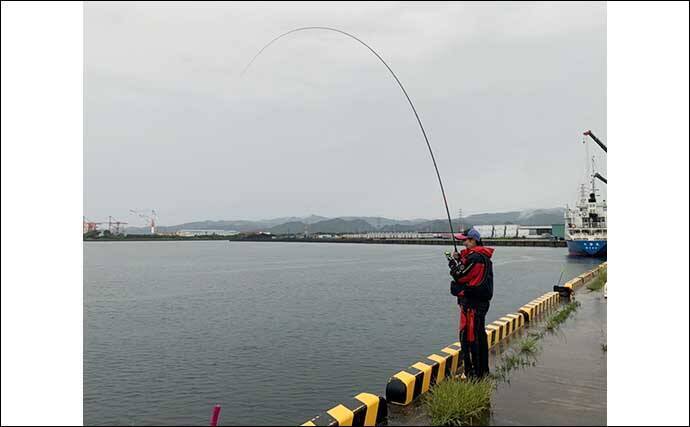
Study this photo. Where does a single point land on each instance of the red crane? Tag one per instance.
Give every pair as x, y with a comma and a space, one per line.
151, 218
90, 225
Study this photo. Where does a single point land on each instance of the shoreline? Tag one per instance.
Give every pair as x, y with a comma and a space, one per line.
436, 242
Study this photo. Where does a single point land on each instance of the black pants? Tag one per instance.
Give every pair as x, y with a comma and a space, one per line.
475, 354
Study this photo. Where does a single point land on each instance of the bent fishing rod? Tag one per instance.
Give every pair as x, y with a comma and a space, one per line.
414, 110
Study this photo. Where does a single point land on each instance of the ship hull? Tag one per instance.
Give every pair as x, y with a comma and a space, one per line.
589, 248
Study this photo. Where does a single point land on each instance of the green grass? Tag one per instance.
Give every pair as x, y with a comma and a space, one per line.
598, 283
557, 319
457, 403
528, 345
537, 335
509, 363
522, 356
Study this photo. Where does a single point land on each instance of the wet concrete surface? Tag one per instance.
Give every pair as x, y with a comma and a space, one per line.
567, 384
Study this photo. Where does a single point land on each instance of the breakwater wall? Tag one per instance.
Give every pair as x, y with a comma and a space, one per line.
405, 386
544, 243
437, 242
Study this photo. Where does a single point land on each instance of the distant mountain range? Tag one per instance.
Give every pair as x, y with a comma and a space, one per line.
355, 224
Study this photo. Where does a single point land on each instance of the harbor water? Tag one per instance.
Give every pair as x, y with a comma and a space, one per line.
274, 332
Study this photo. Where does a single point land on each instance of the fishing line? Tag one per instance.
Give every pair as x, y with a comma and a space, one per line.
414, 110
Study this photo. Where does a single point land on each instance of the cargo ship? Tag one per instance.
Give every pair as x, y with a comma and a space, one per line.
585, 225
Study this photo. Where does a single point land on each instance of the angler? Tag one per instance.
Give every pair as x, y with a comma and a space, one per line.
473, 285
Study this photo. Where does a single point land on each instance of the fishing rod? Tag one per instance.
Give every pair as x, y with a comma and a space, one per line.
561, 276
562, 290
414, 110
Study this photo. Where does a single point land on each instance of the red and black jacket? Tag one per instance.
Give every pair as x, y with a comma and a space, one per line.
474, 278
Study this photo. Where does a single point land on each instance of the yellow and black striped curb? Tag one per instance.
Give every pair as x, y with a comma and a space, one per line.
536, 307
365, 409
408, 384
504, 327
583, 278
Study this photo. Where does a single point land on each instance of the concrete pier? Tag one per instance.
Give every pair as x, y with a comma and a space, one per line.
568, 384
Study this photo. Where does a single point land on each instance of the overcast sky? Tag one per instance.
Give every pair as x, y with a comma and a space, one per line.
317, 125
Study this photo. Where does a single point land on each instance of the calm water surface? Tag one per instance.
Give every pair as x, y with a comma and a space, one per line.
274, 332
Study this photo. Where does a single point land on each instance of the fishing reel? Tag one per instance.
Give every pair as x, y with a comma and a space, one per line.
450, 259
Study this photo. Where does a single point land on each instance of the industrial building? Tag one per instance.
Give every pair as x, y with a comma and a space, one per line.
209, 232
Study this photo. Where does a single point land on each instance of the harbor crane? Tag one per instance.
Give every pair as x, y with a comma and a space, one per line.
151, 218
601, 178
115, 227
597, 140
603, 147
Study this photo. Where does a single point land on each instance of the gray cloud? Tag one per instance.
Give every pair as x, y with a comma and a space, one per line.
317, 125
